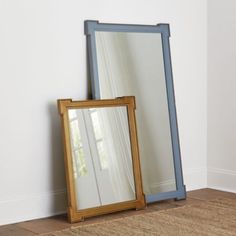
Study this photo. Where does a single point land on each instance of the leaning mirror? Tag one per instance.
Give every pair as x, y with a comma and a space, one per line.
101, 156
135, 60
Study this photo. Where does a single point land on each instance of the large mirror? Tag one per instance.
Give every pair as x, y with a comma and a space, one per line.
135, 60
101, 158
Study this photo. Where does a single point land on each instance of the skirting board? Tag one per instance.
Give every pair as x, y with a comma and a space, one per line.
221, 179
195, 178
31, 207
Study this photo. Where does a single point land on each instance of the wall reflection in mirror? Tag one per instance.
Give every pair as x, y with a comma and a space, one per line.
132, 64
101, 153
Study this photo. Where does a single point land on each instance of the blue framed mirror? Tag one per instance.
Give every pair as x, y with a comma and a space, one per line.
134, 60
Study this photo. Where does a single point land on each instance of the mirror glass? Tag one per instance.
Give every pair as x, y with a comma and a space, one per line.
131, 63
101, 153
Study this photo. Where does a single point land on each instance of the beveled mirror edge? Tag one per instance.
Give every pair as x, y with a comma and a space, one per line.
90, 27
75, 215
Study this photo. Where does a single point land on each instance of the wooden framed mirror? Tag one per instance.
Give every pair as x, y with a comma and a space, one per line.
125, 60
101, 156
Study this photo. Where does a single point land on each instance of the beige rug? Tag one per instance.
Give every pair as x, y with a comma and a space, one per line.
216, 217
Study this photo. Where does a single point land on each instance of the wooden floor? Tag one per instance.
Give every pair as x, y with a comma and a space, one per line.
40, 226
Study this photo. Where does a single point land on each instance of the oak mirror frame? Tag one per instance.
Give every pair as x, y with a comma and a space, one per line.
76, 213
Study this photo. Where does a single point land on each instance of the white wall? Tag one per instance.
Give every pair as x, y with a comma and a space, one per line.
221, 95
43, 58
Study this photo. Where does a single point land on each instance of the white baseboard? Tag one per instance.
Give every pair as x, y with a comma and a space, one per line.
31, 207
195, 178
25, 208
221, 179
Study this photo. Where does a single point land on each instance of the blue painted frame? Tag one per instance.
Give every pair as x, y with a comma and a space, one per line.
90, 28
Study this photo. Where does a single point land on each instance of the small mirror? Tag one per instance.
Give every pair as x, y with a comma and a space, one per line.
103, 172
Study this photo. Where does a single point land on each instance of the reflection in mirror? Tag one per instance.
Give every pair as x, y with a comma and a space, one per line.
132, 64
101, 152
